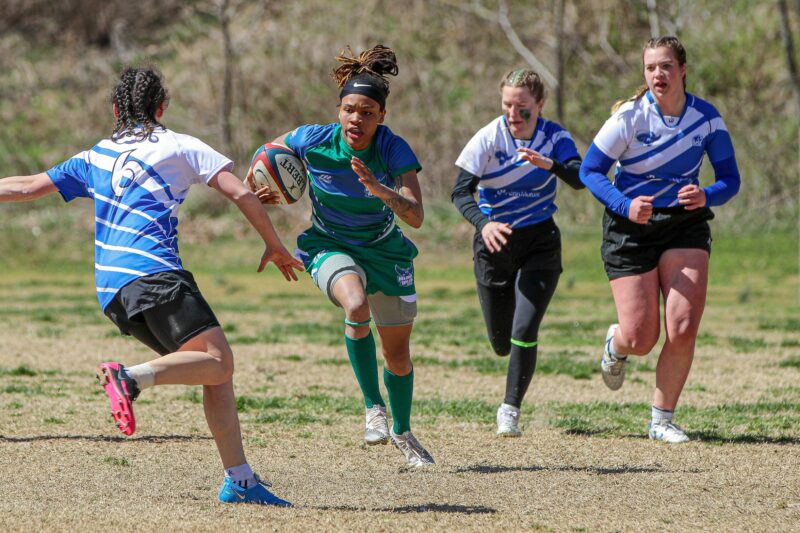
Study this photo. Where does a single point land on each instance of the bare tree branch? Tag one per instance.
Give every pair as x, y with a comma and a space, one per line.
788, 47
501, 17
524, 51
652, 11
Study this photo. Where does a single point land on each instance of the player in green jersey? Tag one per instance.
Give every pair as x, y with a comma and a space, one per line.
362, 177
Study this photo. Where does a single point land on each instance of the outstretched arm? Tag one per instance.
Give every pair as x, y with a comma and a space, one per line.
26, 188
235, 190
406, 201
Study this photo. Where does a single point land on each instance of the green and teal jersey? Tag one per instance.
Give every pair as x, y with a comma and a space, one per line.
346, 217
342, 207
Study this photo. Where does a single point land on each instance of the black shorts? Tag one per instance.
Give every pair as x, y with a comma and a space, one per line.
163, 311
534, 247
630, 248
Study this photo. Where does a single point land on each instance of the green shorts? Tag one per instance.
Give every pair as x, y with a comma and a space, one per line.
388, 264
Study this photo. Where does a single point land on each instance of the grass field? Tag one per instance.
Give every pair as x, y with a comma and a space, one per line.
583, 463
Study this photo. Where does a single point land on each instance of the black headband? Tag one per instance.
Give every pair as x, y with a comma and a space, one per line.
367, 85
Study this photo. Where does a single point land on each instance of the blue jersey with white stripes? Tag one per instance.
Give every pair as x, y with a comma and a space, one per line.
137, 188
511, 189
658, 155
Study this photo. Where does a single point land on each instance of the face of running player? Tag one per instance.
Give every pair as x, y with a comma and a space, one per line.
359, 116
521, 111
663, 74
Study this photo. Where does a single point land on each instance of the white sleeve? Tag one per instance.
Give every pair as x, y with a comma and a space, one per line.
474, 156
203, 160
613, 137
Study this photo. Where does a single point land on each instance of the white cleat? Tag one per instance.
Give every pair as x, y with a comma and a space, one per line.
508, 421
667, 432
416, 455
377, 428
612, 367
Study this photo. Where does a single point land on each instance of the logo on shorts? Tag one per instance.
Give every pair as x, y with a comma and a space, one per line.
697, 140
648, 137
405, 276
325, 178
502, 157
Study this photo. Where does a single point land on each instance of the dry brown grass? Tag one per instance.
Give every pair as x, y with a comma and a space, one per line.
65, 467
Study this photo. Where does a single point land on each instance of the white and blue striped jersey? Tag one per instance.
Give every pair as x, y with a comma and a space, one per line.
137, 188
511, 189
657, 158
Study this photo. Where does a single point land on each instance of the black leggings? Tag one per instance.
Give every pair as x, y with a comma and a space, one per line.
512, 317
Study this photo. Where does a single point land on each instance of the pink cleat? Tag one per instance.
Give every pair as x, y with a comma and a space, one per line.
121, 392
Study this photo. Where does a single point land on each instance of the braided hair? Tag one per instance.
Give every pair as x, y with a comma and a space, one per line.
138, 95
371, 67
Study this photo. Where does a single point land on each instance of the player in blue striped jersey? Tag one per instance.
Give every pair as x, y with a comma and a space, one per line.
656, 237
138, 179
513, 163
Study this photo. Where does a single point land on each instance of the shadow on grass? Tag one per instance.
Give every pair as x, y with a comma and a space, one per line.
710, 437
421, 508
751, 438
498, 469
106, 438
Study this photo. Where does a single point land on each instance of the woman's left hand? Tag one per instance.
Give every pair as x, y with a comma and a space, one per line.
365, 176
268, 196
535, 158
692, 197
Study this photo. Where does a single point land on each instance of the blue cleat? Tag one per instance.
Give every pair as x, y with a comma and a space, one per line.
257, 494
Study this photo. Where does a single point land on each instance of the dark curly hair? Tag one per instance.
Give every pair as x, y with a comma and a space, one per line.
375, 64
138, 94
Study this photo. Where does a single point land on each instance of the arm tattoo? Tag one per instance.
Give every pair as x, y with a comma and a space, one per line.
403, 206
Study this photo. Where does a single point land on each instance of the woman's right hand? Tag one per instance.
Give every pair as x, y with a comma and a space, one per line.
495, 235
641, 209
283, 260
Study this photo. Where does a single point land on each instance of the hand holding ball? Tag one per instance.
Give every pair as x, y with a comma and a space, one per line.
277, 167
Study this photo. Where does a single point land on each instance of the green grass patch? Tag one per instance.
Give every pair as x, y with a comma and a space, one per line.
790, 343
54, 420
786, 324
18, 371
745, 344
465, 410
116, 461
791, 362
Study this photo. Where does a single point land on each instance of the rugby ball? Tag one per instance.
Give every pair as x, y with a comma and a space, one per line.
278, 167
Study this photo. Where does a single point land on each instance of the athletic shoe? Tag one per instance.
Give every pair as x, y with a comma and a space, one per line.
612, 367
666, 432
415, 454
121, 391
257, 494
508, 421
377, 429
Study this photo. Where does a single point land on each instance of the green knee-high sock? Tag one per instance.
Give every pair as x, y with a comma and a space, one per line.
401, 391
362, 358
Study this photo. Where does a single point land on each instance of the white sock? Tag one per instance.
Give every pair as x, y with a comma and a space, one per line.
242, 475
613, 351
509, 407
144, 375
660, 416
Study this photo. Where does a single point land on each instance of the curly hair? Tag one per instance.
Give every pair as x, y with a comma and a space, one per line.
138, 94
376, 62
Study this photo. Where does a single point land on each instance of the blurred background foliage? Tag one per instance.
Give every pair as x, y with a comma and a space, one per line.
243, 72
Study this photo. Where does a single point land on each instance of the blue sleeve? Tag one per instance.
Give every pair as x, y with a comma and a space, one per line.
71, 178
726, 184
593, 174
720, 152
400, 157
565, 149
307, 136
